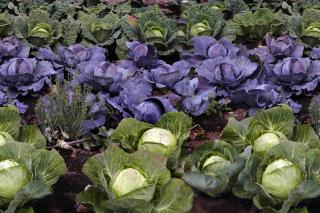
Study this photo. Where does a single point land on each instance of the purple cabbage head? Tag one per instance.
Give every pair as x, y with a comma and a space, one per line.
69, 58
76, 54
25, 75
104, 75
227, 73
134, 91
151, 109
296, 75
168, 75
284, 46
206, 47
12, 47
256, 97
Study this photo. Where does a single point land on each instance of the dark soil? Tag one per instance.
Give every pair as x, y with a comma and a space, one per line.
227, 204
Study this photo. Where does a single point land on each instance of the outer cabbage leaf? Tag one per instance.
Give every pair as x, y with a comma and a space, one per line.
306, 134
236, 132
10, 120
31, 134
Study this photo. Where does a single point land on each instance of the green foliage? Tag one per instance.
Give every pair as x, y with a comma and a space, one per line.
277, 120
43, 169
99, 31
283, 178
147, 183
152, 27
201, 19
12, 130
51, 112
214, 167
6, 23
254, 26
38, 28
314, 111
217, 108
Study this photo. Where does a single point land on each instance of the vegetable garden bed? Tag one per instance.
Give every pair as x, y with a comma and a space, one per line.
159, 106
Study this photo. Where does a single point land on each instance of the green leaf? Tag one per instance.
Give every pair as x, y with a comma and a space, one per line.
306, 190
33, 190
48, 166
128, 133
176, 196
210, 185
306, 134
295, 25
94, 197
10, 120
128, 205
235, 133
28, 210
177, 123
31, 134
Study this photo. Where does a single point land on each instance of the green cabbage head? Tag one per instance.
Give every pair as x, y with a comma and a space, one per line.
41, 33
214, 164
158, 140
154, 31
128, 180
265, 142
13, 177
281, 177
201, 28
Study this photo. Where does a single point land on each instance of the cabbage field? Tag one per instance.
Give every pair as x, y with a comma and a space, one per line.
168, 106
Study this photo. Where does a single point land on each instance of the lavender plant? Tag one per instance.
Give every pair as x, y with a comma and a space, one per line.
64, 114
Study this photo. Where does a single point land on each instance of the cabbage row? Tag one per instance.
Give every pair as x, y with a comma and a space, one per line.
212, 70
116, 47
267, 158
